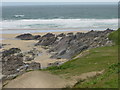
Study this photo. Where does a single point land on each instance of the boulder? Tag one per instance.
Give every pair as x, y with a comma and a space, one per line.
37, 37
61, 35
10, 51
27, 36
33, 66
10, 64
48, 35
47, 40
70, 34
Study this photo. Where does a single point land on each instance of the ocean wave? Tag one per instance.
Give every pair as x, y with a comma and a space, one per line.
17, 16
59, 23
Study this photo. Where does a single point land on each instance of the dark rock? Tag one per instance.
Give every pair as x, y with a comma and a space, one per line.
48, 35
33, 66
10, 51
62, 52
28, 36
70, 34
25, 37
30, 55
67, 46
13, 65
47, 40
61, 35
37, 37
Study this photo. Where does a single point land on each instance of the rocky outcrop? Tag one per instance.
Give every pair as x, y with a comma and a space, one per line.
28, 37
69, 45
47, 40
13, 63
31, 54
33, 66
10, 52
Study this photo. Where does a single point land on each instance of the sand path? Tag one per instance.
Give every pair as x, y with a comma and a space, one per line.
40, 79
37, 79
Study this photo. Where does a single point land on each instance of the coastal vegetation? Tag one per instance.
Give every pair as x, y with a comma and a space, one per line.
101, 58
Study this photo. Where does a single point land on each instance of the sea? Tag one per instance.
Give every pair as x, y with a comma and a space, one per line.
31, 18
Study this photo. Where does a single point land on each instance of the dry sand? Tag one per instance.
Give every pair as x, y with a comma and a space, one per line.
37, 79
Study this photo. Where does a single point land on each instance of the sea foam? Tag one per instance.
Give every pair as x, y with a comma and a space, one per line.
60, 24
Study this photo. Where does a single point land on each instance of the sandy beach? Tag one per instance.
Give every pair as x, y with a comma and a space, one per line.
44, 79
25, 45
44, 59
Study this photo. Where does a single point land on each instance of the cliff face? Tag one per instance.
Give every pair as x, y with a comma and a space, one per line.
69, 45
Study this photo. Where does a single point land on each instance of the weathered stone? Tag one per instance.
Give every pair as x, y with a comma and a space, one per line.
46, 41
25, 37
37, 37
71, 44
13, 65
33, 66
61, 35
10, 51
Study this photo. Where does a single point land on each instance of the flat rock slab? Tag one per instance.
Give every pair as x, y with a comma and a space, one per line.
37, 79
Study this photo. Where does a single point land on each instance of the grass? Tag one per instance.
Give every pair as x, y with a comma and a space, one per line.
102, 58
97, 59
114, 36
107, 80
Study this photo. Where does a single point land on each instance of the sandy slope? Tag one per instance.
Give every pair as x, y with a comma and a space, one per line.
40, 79
37, 79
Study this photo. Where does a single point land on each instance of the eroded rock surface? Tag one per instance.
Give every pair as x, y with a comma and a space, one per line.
13, 63
69, 45
28, 36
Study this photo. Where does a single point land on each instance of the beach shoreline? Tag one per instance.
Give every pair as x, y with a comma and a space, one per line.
44, 59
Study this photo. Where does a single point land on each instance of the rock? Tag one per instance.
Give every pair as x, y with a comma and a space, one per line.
67, 46
37, 37
61, 35
33, 66
30, 55
48, 35
10, 51
47, 40
13, 65
62, 52
70, 34
57, 63
27, 36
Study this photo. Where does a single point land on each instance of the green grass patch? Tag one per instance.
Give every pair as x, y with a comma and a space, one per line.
107, 80
114, 36
97, 59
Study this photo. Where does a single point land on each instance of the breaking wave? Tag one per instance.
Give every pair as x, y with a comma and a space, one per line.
59, 24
